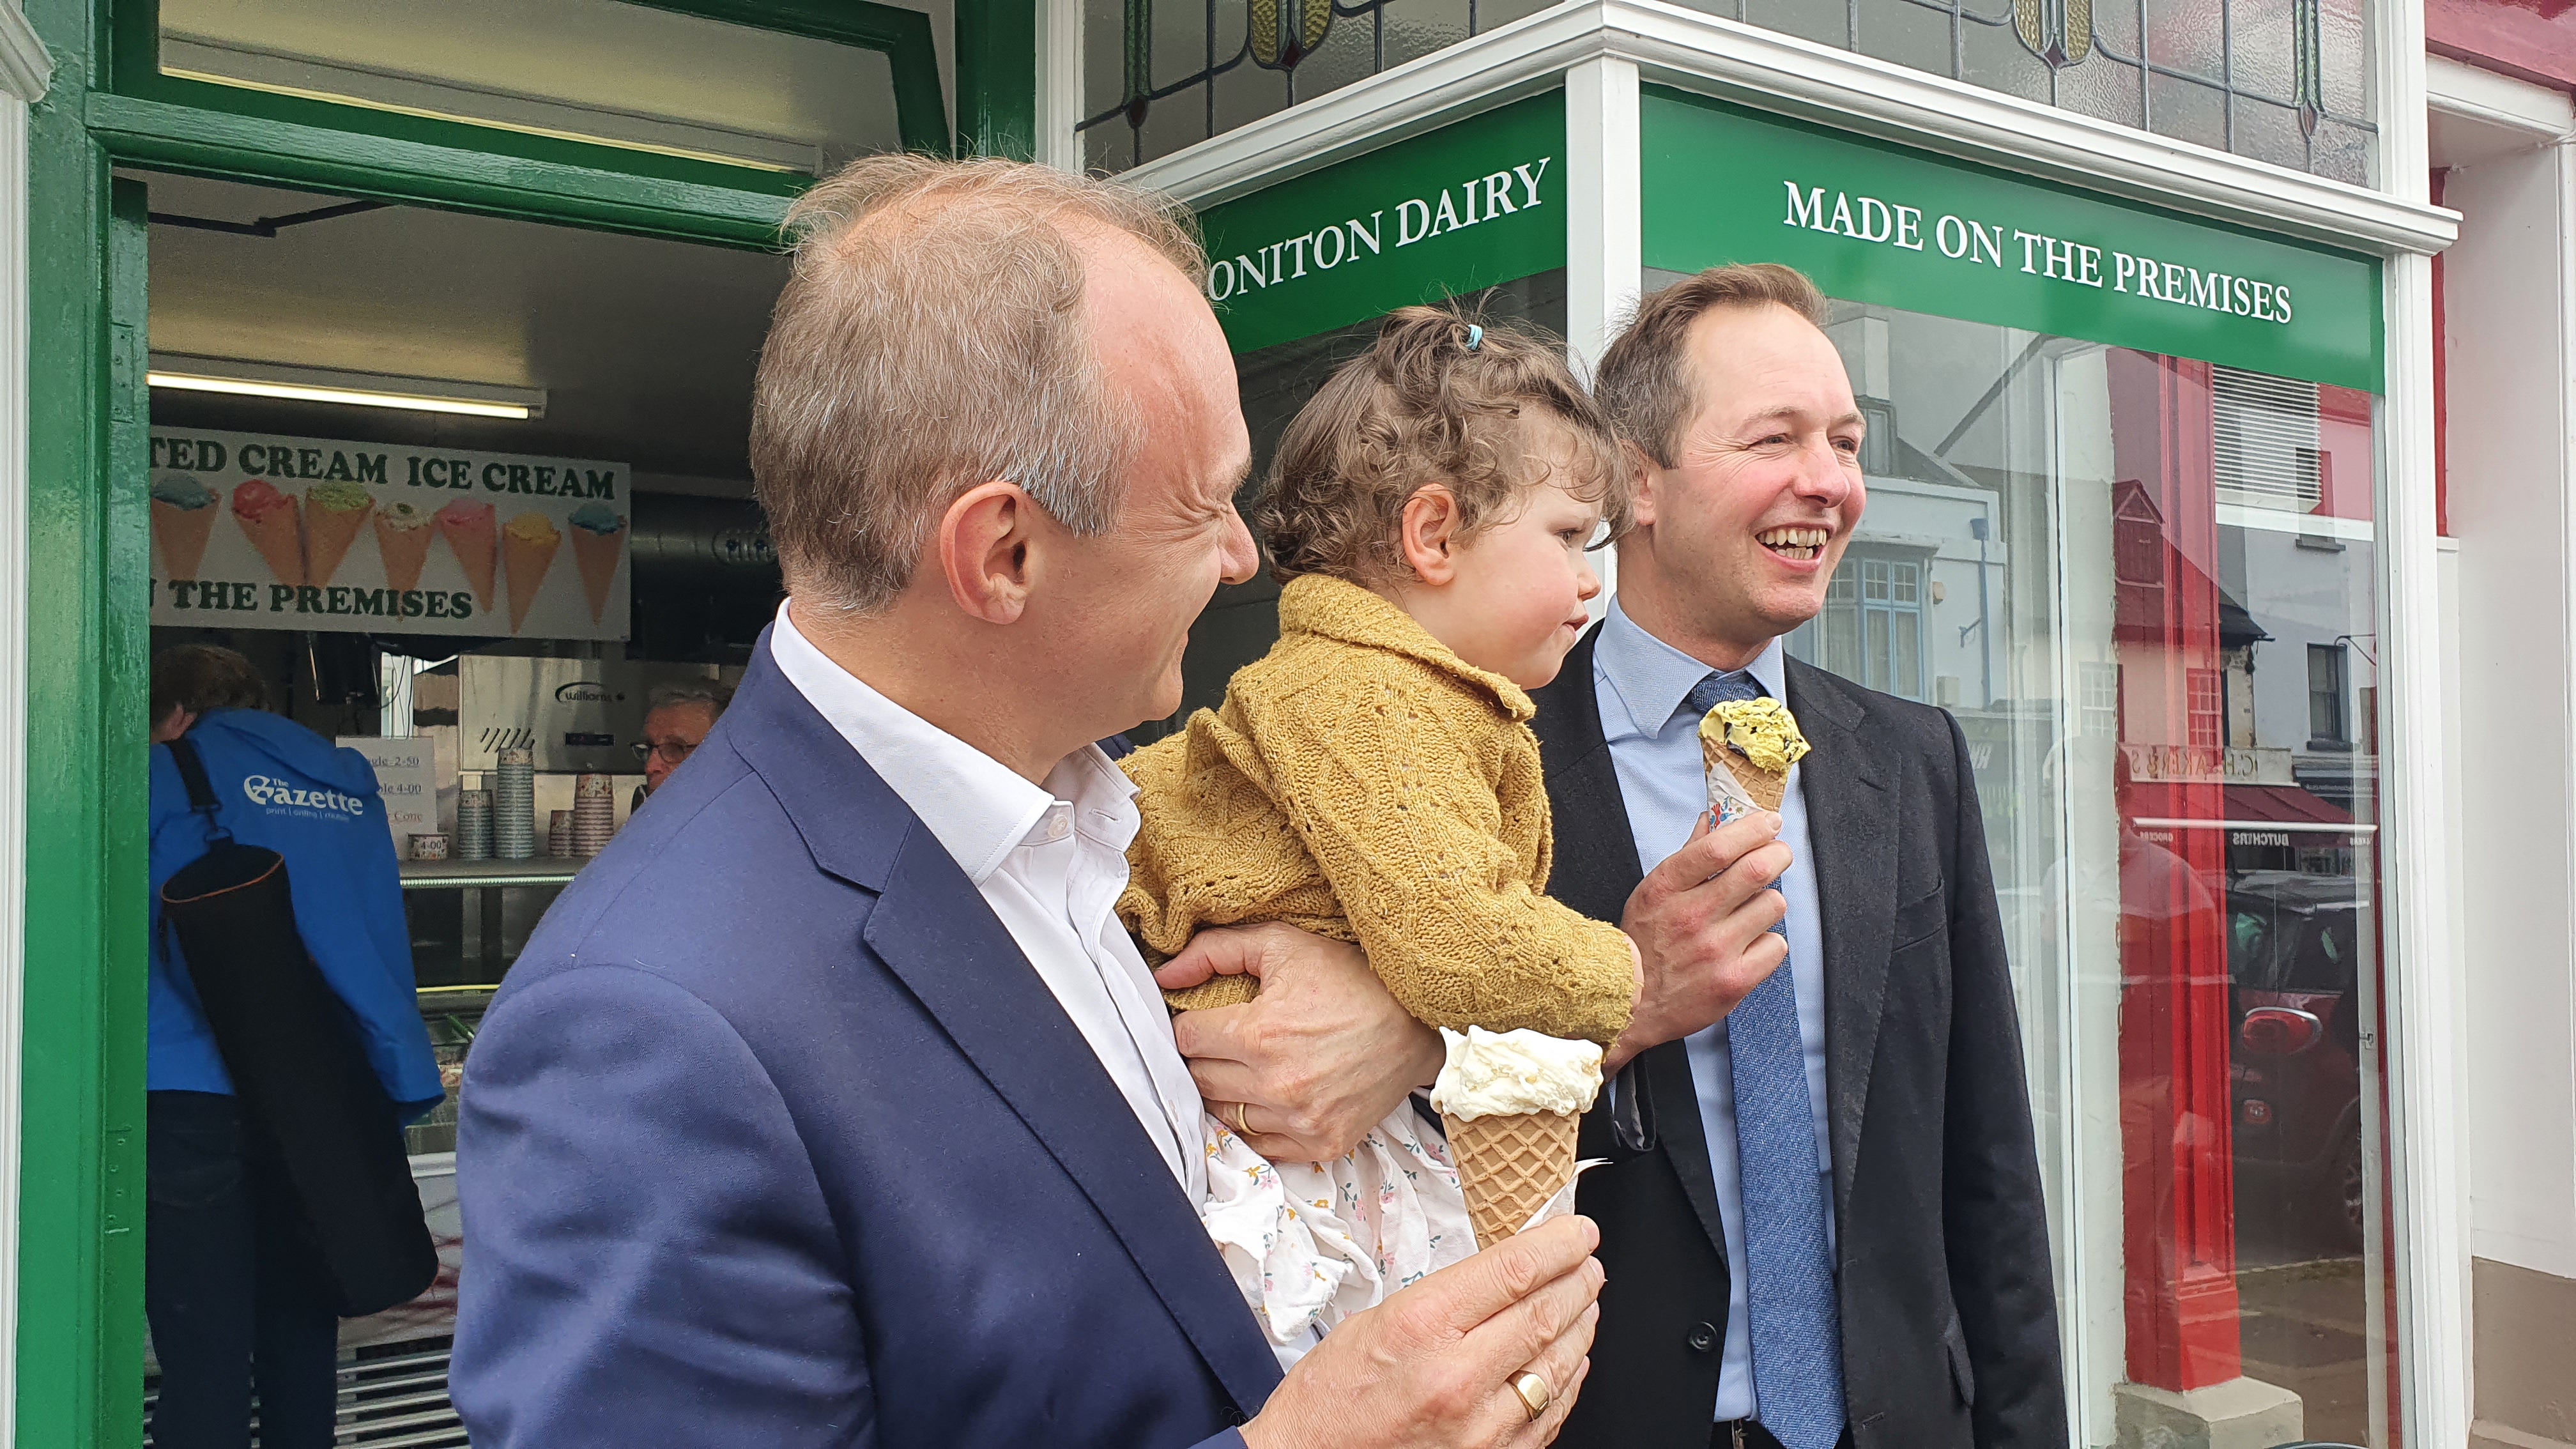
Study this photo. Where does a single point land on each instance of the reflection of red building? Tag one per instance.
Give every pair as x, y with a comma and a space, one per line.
2178, 1172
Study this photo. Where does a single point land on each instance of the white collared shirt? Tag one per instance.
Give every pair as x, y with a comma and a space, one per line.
1641, 683
1050, 862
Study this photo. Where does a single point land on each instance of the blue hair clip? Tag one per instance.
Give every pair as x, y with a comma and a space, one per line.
1475, 336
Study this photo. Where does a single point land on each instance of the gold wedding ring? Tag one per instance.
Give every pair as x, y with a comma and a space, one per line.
1240, 1129
1533, 1392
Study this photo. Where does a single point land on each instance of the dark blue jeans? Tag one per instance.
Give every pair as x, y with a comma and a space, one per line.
236, 1296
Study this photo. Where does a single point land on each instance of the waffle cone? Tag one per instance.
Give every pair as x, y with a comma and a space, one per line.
1765, 787
1509, 1166
597, 554
526, 564
328, 532
182, 534
473, 550
405, 550
1213, 992
279, 537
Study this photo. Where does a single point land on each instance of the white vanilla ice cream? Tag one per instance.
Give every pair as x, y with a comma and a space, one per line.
1509, 1073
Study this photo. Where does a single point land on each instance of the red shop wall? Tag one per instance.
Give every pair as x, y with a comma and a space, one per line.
2534, 40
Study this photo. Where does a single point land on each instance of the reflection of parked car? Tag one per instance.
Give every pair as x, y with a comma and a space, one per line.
2293, 950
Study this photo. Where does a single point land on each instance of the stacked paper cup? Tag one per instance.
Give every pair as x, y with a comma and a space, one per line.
559, 834
594, 813
514, 804
474, 823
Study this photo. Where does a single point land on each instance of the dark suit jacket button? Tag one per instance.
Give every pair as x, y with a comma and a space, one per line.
1703, 1338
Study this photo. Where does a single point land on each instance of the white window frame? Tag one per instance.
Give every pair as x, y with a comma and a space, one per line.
1601, 51
24, 70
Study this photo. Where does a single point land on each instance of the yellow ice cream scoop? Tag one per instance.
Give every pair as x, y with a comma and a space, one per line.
534, 528
1761, 730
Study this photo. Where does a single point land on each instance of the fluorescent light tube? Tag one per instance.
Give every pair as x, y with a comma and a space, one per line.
355, 389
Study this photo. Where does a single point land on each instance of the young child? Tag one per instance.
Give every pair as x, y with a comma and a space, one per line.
1374, 778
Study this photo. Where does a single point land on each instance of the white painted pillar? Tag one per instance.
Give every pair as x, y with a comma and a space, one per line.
24, 67
1604, 225
2421, 1052
2510, 290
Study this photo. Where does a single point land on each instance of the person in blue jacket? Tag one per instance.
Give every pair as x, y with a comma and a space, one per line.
236, 1295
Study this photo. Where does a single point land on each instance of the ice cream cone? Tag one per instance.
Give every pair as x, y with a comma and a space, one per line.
1512, 1101
598, 539
274, 523
333, 515
1510, 1165
402, 536
528, 548
1764, 787
182, 534
468, 529
1752, 744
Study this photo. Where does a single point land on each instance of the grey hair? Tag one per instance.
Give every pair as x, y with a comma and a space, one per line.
932, 338
715, 696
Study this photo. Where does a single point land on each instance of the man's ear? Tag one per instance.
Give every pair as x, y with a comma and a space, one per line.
1650, 476
1427, 533
983, 547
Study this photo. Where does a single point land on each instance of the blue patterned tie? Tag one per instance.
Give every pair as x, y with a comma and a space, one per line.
1789, 1272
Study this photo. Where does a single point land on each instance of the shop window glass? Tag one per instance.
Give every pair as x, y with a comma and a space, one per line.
2140, 583
593, 70
1159, 75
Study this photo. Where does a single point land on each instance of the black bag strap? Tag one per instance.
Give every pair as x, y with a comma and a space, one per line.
201, 791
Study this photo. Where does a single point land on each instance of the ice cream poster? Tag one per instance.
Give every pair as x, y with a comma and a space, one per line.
257, 532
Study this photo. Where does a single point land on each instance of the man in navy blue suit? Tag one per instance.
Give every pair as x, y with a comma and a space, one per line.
831, 1105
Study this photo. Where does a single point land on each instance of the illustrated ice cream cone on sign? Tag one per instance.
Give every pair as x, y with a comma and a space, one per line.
334, 513
598, 538
471, 536
403, 533
274, 523
528, 549
183, 518
1747, 747
1512, 1102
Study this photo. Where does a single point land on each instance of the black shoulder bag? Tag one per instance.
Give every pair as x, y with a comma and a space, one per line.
297, 1064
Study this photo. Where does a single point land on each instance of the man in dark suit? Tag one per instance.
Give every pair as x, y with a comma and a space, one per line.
1837, 1234
831, 1106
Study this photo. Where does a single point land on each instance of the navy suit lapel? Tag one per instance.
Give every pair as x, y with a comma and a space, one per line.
933, 929
1596, 871
1851, 836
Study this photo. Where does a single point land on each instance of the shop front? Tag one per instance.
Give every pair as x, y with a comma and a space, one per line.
2140, 515
2145, 357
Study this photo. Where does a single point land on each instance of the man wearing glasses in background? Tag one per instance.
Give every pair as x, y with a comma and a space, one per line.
676, 720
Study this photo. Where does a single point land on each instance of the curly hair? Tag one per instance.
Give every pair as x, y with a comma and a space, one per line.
1441, 397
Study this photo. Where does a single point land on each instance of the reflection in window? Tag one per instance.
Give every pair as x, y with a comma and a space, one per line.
2326, 727
1159, 75
2142, 587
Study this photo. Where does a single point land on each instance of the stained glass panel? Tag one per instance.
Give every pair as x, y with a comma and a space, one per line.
2285, 81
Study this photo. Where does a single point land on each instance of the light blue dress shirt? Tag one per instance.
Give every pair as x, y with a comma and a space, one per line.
1641, 682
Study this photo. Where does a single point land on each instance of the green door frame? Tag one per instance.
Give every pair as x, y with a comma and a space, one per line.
79, 1331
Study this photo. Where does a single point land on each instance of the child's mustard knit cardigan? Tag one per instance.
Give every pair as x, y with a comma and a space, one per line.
1365, 783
